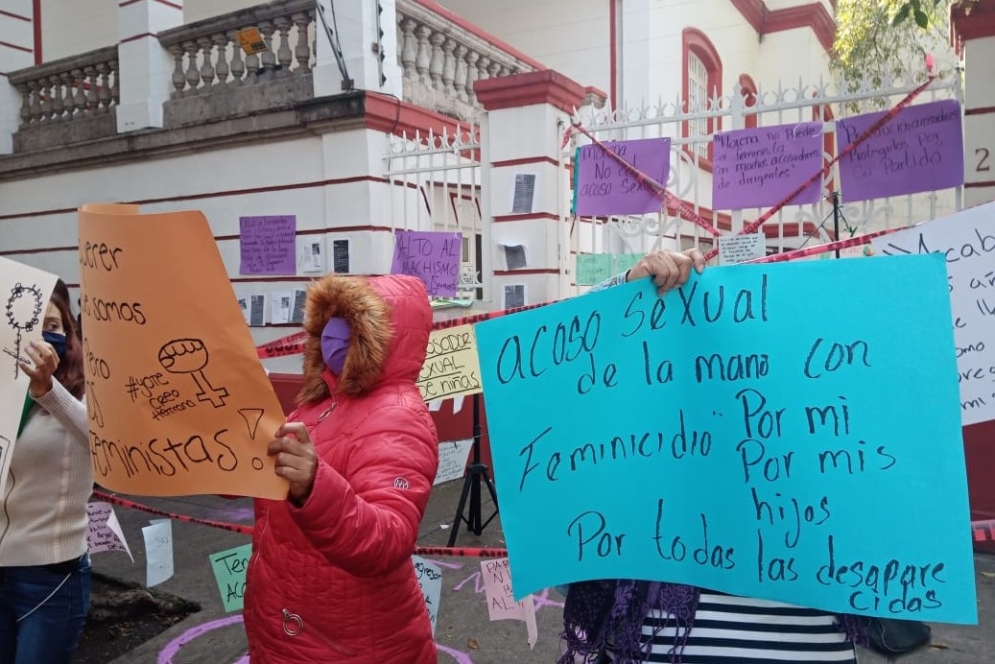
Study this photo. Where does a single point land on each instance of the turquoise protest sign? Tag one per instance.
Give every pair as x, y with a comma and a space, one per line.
229, 569
749, 433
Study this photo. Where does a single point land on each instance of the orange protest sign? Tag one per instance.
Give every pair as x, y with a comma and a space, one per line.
178, 401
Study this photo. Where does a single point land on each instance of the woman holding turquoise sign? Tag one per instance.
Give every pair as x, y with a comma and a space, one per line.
625, 621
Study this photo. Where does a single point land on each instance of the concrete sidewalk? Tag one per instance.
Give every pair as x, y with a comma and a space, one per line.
464, 633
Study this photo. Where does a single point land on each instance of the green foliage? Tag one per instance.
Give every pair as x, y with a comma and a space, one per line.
876, 41
922, 10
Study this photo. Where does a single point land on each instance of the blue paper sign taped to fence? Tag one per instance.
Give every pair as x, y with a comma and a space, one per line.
749, 433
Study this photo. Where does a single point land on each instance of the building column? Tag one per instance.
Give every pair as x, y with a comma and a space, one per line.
145, 67
972, 28
367, 36
528, 248
17, 51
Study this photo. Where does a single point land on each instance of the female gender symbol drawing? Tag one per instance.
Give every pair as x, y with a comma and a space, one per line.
26, 299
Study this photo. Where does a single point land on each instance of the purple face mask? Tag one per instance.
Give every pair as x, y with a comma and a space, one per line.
335, 343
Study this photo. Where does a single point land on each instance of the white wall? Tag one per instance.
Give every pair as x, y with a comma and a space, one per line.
570, 36
224, 185
71, 27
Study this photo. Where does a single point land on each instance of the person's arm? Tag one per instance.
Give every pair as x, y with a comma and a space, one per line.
366, 524
70, 411
669, 269
49, 393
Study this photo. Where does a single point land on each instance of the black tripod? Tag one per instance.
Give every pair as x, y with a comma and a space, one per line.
837, 216
476, 472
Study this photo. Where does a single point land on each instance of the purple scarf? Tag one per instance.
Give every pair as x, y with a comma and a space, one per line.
604, 614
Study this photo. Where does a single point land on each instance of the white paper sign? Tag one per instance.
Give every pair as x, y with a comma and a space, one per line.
158, 551
430, 581
967, 238
452, 460
24, 296
104, 532
735, 249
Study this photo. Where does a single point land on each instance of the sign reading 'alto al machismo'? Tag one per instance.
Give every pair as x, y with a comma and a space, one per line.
717, 437
178, 402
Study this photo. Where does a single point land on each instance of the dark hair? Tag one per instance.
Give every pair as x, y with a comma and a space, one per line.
70, 371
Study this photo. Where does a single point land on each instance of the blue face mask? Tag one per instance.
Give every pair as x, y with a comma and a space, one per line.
58, 342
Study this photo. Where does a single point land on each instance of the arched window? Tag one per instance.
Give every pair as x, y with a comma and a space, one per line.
749, 91
702, 81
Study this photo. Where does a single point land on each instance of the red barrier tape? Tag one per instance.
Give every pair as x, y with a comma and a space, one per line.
823, 248
873, 129
462, 552
684, 210
687, 212
293, 344
984, 531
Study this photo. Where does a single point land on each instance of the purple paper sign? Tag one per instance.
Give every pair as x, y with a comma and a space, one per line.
920, 149
606, 187
761, 167
268, 245
432, 257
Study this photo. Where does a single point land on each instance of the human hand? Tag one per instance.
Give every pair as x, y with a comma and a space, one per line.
669, 269
296, 460
46, 362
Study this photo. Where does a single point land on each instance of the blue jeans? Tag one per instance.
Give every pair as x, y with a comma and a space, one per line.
42, 612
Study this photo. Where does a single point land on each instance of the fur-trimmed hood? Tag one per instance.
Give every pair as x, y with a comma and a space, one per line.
390, 319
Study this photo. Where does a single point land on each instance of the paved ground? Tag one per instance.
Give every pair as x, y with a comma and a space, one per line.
464, 634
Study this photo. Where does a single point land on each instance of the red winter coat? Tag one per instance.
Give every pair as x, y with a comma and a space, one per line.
332, 581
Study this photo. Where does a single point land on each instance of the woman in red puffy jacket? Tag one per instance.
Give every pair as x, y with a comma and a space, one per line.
331, 577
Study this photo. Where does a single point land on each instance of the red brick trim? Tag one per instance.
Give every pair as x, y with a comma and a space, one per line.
36, 15
475, 30
754, 11
16, 47
516, 273
983, 110
26, 19
813, 15
216, 194
697, 42
979, 185
393, 116
538, 87
137, 37
613, 51
971, 20
167, 3
525, 160
748, 88
526, 217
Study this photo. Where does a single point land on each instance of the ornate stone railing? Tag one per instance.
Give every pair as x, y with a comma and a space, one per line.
68, 89
207, 54
442, 57
74, 99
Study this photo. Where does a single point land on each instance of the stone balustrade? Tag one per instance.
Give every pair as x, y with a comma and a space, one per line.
208, 57
213, 79
442, 58
68, 89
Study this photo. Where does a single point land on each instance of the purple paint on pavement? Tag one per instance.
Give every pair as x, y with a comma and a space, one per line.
460, 657
169, 652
